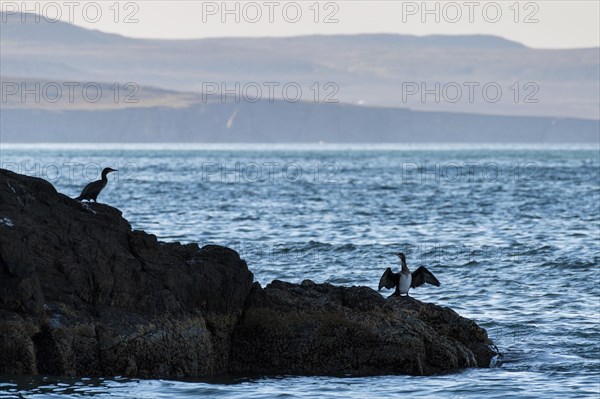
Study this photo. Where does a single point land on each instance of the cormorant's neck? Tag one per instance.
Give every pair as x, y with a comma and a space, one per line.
104, 176
404, 267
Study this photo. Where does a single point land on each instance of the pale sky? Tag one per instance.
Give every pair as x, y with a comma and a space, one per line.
540, 24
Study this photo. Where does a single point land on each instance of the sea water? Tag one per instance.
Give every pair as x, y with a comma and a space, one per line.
511, 232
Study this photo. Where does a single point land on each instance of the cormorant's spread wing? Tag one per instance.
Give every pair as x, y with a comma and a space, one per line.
422, 276
388, 280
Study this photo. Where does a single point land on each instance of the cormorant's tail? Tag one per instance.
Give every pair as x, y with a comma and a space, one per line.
78, 198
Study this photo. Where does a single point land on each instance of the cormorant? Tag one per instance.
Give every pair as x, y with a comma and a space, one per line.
91, 191
405, 280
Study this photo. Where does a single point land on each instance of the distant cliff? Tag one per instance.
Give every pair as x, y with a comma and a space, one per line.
83, 294
282, 122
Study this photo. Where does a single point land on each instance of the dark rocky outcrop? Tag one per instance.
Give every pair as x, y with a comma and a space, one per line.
323, 329
81, 293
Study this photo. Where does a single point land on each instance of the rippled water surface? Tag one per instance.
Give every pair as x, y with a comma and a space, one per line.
513, 234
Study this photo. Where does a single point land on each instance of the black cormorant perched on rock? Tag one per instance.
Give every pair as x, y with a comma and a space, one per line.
405, 280
91, 191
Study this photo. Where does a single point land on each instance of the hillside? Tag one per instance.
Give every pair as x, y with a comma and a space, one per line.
345, 88
374, 70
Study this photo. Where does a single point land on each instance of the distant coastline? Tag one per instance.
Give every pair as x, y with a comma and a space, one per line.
273, 147
282, 122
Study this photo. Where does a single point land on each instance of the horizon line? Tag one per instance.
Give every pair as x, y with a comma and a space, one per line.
291, 36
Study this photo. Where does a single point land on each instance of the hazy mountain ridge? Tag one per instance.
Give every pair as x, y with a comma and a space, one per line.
372, 70
28, 26
36, 28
